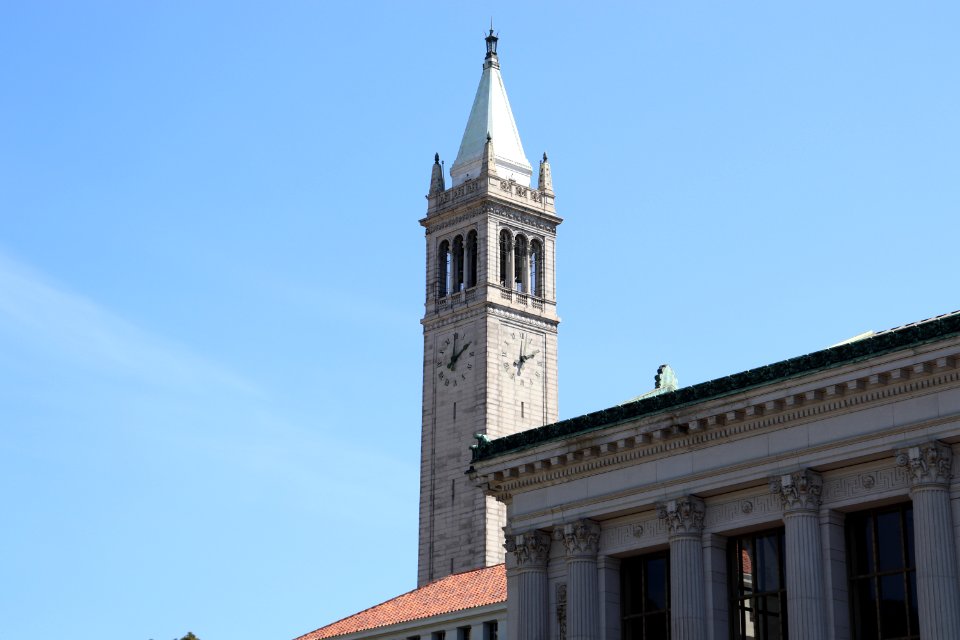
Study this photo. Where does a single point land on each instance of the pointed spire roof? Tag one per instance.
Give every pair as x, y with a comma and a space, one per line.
491, 115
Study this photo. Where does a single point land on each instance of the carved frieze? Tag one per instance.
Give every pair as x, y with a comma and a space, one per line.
523, 218
562, 610
531, 549
683, 516
928, 464
798, 491
456, 220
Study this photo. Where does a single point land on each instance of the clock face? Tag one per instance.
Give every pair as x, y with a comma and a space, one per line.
454, 362
522, 356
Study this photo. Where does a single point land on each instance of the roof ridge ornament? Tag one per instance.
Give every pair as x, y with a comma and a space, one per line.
436, 176
491, 46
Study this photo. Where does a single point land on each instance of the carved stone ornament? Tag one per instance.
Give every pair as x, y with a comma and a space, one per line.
562, 610
530, 549
928, 464
798, 491
581, 538
684, 516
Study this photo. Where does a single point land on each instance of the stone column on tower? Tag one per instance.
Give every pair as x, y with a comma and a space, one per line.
582, 541
799, 494
684, 519
938, 593
531, 551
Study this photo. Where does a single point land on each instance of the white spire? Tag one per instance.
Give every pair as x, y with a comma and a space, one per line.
491, 115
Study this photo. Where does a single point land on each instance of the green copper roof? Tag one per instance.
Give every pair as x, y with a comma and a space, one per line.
904, 337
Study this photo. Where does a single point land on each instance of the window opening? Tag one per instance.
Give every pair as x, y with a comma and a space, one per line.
882, 571
521, 272
758, 592
457, 271
536, 268
645, 597
471, 259
506, 259
443, 269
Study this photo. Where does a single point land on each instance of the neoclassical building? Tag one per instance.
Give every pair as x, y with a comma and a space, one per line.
811, 498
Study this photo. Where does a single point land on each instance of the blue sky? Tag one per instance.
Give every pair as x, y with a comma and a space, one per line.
211, 267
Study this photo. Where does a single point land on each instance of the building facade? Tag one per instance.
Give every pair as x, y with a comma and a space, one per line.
812, 498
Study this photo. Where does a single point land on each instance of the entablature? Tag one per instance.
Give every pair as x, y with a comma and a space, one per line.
769, 409
512, 194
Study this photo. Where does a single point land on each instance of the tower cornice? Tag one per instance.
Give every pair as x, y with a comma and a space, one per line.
490, 190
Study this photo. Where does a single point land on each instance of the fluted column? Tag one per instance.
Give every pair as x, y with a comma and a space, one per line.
531, 551
938, 593
806, 609
582, 541
684, 519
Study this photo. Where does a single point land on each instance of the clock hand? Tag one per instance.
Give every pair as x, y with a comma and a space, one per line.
452, 365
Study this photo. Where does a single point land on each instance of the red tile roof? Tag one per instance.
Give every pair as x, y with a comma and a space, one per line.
454, 593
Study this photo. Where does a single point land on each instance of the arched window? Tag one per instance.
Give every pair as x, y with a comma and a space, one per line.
443, 269
536, 268
457, 264
506, 259
521, 269
471, 259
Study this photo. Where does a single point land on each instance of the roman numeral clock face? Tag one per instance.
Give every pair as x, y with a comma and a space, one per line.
522, 356
454, 363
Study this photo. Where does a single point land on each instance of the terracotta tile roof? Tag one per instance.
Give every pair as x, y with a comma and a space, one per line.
453, 593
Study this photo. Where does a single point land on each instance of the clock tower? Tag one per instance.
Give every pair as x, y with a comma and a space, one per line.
489, 326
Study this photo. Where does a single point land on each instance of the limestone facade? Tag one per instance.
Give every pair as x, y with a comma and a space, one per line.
490, 350
805, 458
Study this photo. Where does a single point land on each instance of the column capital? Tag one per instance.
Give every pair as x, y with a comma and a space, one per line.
929, 464
798, 491
684, 516
580, 537
531, 549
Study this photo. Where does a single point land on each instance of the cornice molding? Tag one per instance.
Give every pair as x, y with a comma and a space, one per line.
485, 308
664, 434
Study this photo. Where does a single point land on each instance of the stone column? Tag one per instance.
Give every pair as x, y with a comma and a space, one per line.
582, 541
531, 551
716, 586
608, 572
684, 518
835, 574
938, 593
806, 610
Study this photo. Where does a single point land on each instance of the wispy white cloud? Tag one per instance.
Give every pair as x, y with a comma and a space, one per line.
37, 313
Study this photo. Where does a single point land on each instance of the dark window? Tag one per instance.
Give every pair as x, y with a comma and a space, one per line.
457, 267
536, 268
520, 272
490, 630
645, 597
506, 264
758, 590
471, 265
883, 579
463, 633
438, 635
443, 269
